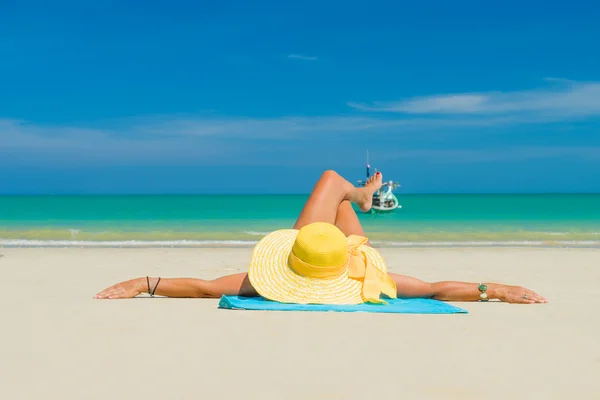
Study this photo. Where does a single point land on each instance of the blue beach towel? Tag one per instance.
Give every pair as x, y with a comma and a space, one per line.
400, 306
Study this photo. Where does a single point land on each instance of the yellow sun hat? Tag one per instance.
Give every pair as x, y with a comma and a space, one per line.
318, 265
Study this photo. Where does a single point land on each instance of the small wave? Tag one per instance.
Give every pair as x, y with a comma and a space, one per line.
531, 243
568, 233
255, 233
125, 243
250, 243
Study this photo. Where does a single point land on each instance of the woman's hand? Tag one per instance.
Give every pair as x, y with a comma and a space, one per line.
517, 294
123, 290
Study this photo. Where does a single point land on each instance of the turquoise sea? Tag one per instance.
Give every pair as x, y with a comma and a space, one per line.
423, 220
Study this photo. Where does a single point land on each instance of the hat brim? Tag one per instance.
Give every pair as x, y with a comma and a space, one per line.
271, 276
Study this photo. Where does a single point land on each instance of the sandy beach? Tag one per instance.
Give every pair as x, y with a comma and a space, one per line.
57, 342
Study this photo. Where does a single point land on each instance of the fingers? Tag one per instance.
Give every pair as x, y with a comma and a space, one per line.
534, 297
112, 295
107, 294
527, 296
521, 295
524, 300
113, 292
103, 294
122, 290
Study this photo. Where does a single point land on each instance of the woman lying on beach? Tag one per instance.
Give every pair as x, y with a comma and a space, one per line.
326, 258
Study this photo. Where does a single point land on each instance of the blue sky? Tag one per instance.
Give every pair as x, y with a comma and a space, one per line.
238, 96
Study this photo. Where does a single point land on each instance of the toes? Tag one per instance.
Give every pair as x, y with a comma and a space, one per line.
375, 177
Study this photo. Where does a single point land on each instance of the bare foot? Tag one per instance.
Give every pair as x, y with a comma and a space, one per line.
364, 196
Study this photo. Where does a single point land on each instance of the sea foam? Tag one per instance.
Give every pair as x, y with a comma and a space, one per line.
250, 243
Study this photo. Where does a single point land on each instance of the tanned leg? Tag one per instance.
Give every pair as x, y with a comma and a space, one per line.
347, 220
330, 192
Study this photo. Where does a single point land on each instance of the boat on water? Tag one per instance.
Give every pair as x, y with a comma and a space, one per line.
384, 200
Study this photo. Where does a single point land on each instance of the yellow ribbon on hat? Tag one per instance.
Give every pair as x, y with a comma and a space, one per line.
374, 280
336, 255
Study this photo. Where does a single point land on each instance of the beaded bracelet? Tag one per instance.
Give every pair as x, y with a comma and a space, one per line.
482, 288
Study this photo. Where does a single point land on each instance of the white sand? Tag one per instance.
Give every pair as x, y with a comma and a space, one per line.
59, 343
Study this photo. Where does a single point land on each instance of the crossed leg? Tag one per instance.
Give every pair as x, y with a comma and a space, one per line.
330, 202
347, 220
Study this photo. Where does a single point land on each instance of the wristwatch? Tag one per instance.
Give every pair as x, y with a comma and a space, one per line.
482, 288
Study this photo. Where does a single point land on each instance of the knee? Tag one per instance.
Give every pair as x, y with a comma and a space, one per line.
330, 175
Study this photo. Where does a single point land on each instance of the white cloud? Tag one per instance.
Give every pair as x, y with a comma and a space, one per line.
180, 136
501, 154
269, 141
213, 138
301, 57
15, 132
564, 99
179, 140
277, 128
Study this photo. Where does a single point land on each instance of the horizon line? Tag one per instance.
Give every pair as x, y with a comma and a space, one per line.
288, 194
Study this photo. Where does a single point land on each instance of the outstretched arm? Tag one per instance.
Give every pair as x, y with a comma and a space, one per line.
237, 284
463, 291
